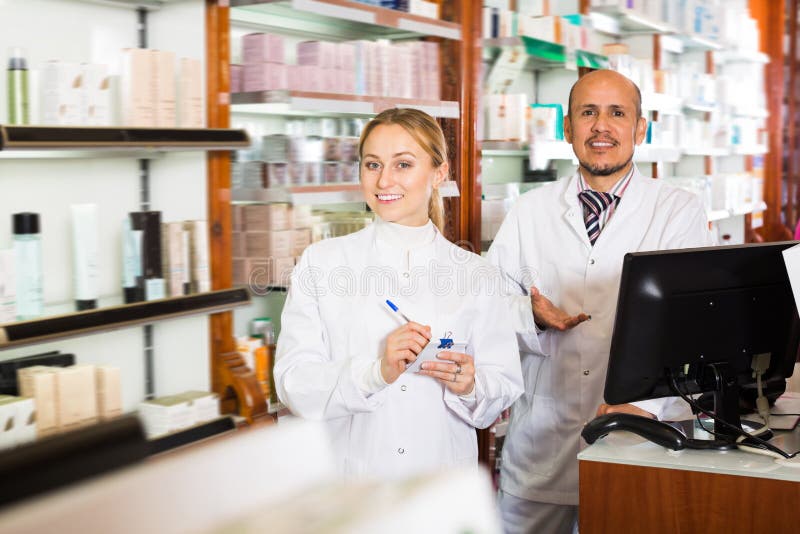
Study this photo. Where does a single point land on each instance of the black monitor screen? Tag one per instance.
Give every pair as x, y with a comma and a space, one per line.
680, 311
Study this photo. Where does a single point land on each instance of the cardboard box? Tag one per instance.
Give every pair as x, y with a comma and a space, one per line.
263, 217
265, 77
270, 244
199, 263
109, 392
281, 271
76, 396
96, 97
322, 54
262, 48
138, 103
164, 88
253, 273
39, 383
175, 246
301, 238
190, 94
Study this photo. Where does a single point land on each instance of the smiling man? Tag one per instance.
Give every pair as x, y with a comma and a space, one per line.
561, 250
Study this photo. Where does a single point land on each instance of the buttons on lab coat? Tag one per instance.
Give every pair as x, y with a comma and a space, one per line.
403, 387
585, 372
406, 275
401, 450
591, 261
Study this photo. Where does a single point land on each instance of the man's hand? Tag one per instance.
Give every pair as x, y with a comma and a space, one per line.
547, 315
623, 408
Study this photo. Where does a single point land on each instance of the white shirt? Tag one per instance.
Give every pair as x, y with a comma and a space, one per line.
543, 243
334, 328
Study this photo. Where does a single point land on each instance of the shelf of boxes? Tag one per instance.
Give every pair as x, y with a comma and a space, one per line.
341, 18
321, 194
546, 54
718, 215
305, 103
707, 151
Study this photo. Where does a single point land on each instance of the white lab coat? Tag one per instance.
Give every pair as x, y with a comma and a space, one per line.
334, 326
543, 242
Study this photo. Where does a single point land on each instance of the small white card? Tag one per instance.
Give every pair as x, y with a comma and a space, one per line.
431, 350
791, 256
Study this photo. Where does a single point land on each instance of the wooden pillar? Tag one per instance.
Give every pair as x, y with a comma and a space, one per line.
234, 382
769, 15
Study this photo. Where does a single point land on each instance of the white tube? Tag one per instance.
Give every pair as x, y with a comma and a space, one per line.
84, 255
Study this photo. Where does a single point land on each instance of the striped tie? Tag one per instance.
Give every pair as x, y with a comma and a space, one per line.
594, 203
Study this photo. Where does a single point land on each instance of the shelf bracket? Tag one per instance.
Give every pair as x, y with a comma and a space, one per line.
240, 389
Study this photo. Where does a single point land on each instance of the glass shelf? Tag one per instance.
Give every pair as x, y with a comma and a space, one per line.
51, 138
283, 102
547, 55
66, 324
343, 19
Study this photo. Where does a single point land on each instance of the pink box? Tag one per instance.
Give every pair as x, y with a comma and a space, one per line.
237, 77
345, 56
265, 77
330, 81
305, 78
281, 271
317, 53
347, 82
262, 48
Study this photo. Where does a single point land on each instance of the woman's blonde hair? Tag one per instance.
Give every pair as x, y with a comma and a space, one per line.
425, 131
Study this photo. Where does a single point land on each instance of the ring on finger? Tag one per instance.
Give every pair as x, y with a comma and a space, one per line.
455, 375
458, 368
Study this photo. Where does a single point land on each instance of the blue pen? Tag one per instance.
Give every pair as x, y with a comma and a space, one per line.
396, 309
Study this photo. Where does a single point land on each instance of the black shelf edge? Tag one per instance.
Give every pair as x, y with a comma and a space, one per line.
83, 138
116, 317
191, 435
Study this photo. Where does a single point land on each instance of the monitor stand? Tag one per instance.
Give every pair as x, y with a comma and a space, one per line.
726, 408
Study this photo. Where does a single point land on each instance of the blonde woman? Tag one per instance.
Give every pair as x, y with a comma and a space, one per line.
342, 352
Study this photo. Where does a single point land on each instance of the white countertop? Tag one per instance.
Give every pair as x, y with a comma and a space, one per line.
629, 449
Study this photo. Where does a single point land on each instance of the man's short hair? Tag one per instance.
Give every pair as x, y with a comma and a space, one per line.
638, 99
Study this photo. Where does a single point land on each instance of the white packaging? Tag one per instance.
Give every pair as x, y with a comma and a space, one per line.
198, 246
164, 88
173, 266
8, 286
423, 8
96, 97
138, 105
84, 255
190, 94
61, 86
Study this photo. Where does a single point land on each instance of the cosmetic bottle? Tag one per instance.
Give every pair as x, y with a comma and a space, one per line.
84, 255
28, 252
17, 75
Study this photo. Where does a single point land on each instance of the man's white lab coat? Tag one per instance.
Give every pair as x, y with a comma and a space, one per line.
543, 242
335, 324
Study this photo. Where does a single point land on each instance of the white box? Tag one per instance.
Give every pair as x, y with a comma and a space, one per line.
61, 84
198, 255
96, 97
17, 421
109, 392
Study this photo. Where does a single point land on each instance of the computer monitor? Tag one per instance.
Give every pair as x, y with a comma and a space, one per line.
699, 317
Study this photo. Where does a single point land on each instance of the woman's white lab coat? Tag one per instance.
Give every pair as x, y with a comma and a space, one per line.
543, 242
334, 326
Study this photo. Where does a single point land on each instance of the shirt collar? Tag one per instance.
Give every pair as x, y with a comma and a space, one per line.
618, 189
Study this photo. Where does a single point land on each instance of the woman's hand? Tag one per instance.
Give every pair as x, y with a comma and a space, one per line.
402, 347
456, 371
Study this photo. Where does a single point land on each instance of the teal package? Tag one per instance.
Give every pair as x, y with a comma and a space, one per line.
559, 119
